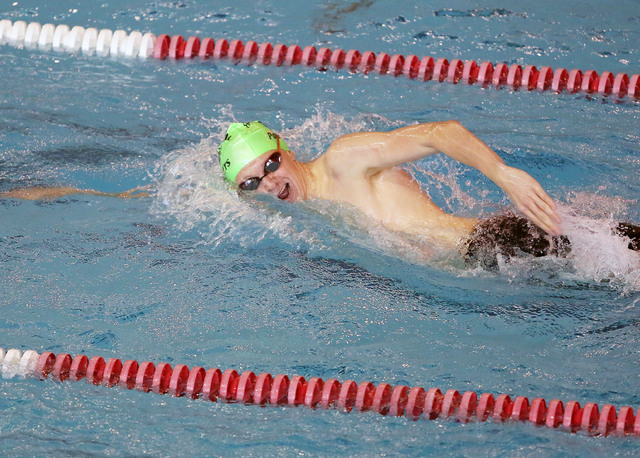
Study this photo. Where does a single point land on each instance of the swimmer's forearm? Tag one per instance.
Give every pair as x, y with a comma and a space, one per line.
38, 193
454, 140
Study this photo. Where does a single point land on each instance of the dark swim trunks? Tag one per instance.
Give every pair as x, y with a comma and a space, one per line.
510, 236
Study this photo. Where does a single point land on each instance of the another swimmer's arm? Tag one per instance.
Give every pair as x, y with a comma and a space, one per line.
376, 150
37, 193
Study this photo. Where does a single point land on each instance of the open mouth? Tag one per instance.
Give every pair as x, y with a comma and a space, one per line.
284, 193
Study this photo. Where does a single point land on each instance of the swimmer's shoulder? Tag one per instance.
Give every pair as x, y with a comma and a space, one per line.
355, 153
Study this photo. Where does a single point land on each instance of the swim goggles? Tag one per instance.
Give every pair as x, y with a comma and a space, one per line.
272, 164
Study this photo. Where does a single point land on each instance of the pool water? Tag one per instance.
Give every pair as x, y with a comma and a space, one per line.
198, 275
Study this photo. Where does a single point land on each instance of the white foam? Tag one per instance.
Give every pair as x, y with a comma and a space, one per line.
597, 252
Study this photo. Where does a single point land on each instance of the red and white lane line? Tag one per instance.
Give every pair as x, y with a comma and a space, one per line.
262, 389
134, 44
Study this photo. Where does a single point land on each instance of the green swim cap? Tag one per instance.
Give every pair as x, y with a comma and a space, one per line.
243, 143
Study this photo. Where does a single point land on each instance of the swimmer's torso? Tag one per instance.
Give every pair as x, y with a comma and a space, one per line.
392, 197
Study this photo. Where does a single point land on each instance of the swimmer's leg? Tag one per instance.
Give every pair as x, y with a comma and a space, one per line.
632, 232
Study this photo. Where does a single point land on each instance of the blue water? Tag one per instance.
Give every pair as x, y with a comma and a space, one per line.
198, 276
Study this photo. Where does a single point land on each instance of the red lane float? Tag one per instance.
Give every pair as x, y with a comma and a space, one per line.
128, 374
265, 50
78, 369
323, 57
529, 77
441, 69
367, 62
314, 392
500, 75
545, 78
634, 87
485, 74
574, 83
560, 80
352, 59
589, 82
220, 49
337, 59
470, 72
294, 55
309, 56
177, 47
250, 52
382, 63
454, 74
112, 372
425, 71
95, 370
347, 396
205, 50
415, 403
195, 382
396, 401
262, 388
411, 67
396, 64
161, 48
279, 54
330, 393
119, 44
514, 76
485, 406
178, 382
236, 48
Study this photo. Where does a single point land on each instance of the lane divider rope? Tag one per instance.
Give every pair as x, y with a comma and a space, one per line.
136, 45
249, 388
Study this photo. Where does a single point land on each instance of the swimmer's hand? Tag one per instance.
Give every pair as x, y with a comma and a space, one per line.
140, 191
529, 197
41, 193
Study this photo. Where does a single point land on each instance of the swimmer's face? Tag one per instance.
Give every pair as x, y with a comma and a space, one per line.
274, 173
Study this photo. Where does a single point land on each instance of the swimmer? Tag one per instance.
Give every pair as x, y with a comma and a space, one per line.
363, 170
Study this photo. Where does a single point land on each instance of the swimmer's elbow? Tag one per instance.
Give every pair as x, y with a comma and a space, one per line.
452, 125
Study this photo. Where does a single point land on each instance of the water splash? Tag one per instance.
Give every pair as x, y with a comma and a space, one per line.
597, 252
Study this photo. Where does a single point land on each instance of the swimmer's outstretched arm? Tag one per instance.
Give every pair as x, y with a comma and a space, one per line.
370, 152
37, 193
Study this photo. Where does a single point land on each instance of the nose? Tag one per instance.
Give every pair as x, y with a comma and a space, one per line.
269, 183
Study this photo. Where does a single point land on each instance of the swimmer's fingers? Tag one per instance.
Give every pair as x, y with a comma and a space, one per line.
529, 197
140, 191
543, 221
541, 209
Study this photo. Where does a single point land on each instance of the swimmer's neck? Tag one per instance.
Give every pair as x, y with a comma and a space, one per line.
315, 179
